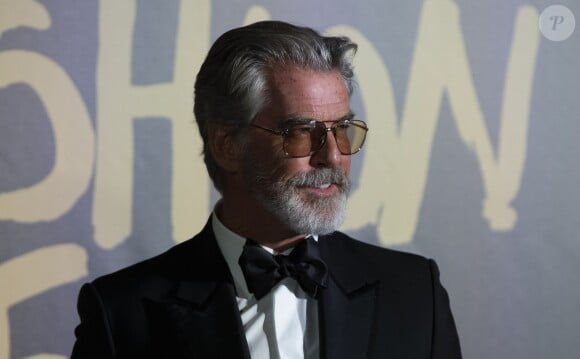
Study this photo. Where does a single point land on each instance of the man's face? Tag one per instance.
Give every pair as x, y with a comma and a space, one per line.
309, 193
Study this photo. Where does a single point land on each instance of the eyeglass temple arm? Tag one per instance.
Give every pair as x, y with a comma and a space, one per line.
279, 133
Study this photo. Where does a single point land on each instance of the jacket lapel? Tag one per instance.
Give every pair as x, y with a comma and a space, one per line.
200, 316
347, 306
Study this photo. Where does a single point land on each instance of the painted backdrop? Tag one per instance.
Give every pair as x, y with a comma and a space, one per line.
472, 156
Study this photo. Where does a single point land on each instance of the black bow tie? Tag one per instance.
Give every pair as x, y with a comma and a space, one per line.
263, 270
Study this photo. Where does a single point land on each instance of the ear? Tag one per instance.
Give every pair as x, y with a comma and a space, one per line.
224, 147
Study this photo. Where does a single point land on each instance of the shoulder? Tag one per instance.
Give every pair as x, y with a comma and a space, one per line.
341, 242
382, 263
407, 287
196, 259
150, 274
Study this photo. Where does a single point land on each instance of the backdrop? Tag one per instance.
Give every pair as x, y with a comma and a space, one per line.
472, 155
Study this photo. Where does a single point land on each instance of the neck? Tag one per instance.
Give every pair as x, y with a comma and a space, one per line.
252, 221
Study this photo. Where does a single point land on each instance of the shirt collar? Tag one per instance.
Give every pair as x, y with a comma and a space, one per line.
231, 245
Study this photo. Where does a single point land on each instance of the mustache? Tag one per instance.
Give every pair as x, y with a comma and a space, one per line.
321, 176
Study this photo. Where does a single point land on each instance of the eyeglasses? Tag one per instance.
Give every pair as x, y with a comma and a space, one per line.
303, 139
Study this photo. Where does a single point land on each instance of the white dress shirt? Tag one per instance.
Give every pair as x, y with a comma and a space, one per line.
283, 323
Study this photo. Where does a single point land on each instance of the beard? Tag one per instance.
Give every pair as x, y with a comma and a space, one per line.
302, 212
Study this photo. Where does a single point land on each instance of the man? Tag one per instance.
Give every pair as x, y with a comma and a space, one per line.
268, 276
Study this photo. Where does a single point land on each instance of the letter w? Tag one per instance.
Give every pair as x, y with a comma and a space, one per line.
397, 161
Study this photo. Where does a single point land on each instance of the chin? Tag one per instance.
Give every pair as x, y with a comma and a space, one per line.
314, 216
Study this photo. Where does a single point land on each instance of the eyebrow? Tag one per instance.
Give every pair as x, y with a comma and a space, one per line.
296, 120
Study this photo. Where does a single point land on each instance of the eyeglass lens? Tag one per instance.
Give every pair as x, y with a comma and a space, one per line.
305, 139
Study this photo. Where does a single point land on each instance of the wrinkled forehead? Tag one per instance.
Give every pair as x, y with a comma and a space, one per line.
302, 94
300, 121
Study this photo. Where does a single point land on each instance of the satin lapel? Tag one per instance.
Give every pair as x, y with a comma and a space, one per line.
201, 316
347, 306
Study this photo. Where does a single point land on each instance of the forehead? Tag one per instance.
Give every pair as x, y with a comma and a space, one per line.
300, 93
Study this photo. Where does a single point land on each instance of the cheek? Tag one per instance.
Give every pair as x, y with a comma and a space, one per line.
345, 164
266, 147
267, 159
283, 169
294, 166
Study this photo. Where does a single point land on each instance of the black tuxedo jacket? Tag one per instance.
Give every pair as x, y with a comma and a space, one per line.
181, 304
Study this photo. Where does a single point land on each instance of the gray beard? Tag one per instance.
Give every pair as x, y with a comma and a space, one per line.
308, 214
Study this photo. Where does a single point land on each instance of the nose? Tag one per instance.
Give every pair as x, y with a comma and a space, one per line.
329, 155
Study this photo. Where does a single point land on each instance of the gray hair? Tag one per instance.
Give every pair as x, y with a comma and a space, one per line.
230, 87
